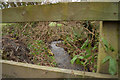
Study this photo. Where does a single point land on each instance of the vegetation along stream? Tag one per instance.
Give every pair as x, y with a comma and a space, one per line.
73, 44
63, 58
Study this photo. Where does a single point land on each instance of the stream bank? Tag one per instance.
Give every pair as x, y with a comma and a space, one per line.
62, 58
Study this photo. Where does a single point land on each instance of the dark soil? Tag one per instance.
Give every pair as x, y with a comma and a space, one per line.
15, 50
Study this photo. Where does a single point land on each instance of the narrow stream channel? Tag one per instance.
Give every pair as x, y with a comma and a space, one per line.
63, 58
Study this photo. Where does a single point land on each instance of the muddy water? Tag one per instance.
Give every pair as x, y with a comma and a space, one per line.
63, 58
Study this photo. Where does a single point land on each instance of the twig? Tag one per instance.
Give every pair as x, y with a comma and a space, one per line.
89, 31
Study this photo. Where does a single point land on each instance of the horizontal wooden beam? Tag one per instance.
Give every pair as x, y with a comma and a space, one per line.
24, 70
105, 11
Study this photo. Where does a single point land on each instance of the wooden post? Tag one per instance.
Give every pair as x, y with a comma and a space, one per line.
0, 45
108, 31
119, 42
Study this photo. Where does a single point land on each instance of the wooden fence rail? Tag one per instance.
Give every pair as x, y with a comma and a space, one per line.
63, 11
5, 5
107, 12
23, 70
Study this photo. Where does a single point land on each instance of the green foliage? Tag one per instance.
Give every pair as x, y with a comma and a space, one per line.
108, 47
68, 39
87, 56
112, 61
76, 34
83, 58
59, 25
95, 47
38, 36
79, 46
74, 58
112, 64
85, 44
106, 59
53, 24
55, 63
37, 47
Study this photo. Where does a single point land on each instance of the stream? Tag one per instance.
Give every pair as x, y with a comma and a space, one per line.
63, 58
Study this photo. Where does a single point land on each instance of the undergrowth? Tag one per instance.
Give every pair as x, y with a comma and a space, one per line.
80, 40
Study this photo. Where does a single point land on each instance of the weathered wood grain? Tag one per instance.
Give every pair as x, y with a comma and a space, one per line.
23, 70
109, 31
105, 11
